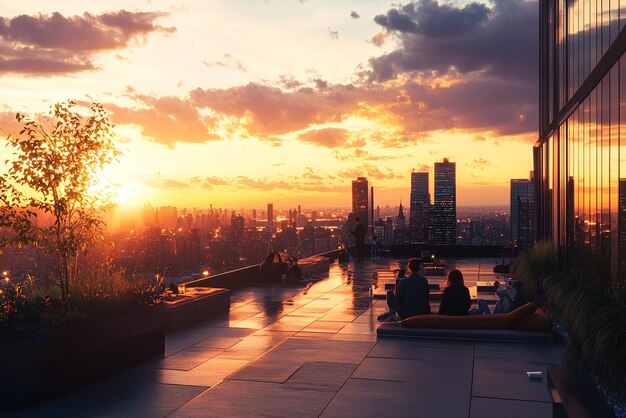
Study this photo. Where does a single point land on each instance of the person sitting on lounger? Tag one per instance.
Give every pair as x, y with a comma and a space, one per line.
410, 297
456, 297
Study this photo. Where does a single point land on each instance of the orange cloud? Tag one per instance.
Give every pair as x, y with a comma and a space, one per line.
166, 119
55, 44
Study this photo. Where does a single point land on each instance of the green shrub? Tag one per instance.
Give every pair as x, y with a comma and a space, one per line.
596, 328
101, 288
534, 265
33, 309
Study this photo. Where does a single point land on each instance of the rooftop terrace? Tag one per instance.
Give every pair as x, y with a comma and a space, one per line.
311, 350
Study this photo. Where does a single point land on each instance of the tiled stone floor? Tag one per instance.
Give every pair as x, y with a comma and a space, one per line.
311, 350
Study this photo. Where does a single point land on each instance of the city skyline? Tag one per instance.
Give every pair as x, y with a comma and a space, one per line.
323, 93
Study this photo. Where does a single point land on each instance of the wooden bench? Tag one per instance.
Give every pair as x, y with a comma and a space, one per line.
575, 396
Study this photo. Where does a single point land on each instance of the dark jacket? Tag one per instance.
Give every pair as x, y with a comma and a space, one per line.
412, 296
455, 301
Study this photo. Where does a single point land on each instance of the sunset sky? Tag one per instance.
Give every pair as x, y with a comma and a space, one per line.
238, 103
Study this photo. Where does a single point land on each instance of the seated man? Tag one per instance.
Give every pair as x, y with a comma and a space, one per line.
411, 296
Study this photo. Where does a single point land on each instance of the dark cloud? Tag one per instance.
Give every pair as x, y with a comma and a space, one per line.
272, 111
55, 44
333, 34
438, 38
503, 106
428, 18
489, 53
354, 15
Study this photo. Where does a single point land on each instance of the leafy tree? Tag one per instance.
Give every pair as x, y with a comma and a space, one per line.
54, 170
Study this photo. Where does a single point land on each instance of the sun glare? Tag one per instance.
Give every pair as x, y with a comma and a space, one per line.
125, 193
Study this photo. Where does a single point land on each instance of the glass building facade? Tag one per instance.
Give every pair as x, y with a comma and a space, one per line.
419, 211
522, 212
580, 157
359, 200
445, 203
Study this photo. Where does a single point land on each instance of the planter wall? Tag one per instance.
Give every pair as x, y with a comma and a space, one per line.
34, 370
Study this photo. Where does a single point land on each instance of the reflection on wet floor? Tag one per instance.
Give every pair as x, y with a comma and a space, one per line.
312, 337
338, 307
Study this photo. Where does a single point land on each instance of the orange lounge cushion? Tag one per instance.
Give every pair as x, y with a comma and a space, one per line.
537, 322
522, 312
523, 318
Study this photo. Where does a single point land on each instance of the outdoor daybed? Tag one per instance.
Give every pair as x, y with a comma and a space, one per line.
526, 323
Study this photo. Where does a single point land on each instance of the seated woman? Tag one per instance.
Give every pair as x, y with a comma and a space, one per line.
273, 268
456, 297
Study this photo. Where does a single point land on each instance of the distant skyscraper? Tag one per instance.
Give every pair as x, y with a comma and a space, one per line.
401, 219
400, 233
270, 214
237, 228
522, 211
359, 200
419, 211
444, 231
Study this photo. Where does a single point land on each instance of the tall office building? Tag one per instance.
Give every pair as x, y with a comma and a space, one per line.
419, 211
522, 212
444, 214
359, 200
270, 214
579, 167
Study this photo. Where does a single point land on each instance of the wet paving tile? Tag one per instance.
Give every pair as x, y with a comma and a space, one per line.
325, 326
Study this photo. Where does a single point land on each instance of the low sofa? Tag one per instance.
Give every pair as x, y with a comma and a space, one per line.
526, 323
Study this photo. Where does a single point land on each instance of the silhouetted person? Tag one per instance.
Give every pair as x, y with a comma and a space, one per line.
376, 247
272, 268
411, 296
359, 238
456, 297
294, 272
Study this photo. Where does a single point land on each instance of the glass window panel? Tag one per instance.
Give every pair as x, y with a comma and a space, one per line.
591, 107
586, 183
594, 33
603, 182
622, 172
606, 11
614, 19
614, 178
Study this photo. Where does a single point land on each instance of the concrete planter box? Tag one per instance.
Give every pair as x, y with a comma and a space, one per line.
36, 369
197, 305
